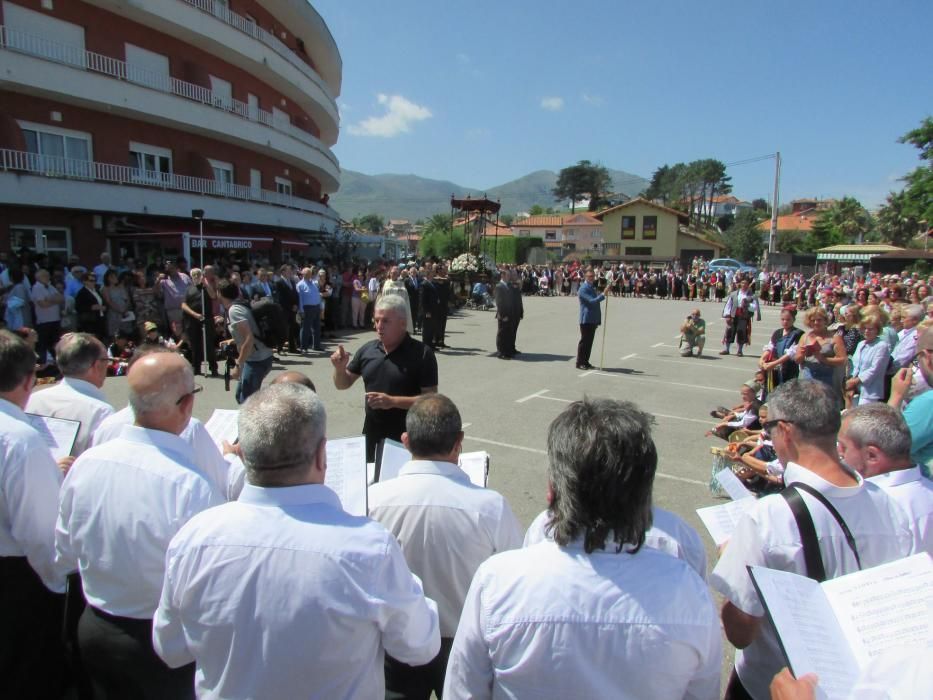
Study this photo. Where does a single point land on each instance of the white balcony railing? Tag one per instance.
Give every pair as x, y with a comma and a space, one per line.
22, 42
74, 169
222, 12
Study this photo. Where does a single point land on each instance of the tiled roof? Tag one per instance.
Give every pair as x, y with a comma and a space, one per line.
547, 220
641, 200
791, 222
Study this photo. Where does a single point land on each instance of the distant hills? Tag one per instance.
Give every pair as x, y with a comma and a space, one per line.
412, 197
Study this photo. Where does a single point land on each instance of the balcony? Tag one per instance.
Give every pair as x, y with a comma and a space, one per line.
21, 42
150, 184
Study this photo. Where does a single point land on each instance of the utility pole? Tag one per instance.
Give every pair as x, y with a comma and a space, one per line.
772, 237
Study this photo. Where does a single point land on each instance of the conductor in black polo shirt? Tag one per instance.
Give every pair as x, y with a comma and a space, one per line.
395, 369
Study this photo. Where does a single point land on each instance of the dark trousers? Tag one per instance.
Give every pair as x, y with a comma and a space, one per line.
735, 690
196, 338
118, 654
441, 328
417, 682
585, 346
513, 334
311, 327
504, 337
48, 333
429, 331
32, 657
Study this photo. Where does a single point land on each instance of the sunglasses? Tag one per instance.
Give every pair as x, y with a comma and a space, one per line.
197, 389
769, 424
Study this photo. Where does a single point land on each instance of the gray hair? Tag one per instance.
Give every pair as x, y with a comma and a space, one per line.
281, 429
76, 353
880, 425
173, 384
914, 311
17, 360
810, 405
433, 425
394, 303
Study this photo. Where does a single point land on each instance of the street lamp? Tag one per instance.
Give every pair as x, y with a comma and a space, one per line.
199, 215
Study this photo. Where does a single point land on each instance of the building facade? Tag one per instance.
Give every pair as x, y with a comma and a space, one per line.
563, 234
119, 119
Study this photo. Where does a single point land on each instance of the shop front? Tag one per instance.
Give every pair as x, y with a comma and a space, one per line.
198, 250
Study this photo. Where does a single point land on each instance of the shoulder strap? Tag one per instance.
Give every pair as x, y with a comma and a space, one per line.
812, 558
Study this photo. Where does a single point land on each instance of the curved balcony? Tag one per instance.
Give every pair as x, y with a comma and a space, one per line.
83, 184
215, 28
154, 88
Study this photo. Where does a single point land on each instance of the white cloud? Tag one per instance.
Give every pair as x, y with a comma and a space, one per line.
595, 100
552, 104
463, 59
344, 107
400, 114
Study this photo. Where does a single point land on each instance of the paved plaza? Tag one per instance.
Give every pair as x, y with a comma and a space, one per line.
507, 405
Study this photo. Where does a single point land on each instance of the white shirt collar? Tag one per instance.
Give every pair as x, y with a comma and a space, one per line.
158, 439
85, 388
898, 477
306, 494
797, 472
12, 410
425, 466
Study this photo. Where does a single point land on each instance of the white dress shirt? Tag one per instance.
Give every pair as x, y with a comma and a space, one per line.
554, 622
226, 473
74, 399
767, 535
29, 483
669, 533
905, 350
914, 494
282, 594
46, 314
121, 504
446, 526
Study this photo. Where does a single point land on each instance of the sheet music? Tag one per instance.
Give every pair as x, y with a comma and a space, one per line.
59, 433
810, 634
476, 465
733, 485
222, 425
346, 472
394, 456
721, 520
885, 607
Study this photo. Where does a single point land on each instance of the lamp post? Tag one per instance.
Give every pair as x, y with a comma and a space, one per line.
199, 215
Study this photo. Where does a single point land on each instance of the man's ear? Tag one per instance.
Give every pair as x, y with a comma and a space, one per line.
873, 454
320, 459
405, 441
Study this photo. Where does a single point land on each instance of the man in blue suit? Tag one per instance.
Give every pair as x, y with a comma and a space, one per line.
590, 318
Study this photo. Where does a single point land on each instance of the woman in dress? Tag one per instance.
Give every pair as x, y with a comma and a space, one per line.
91, 309
871, 358
117, 301
356, 301
821, 354
779, 358
145, 305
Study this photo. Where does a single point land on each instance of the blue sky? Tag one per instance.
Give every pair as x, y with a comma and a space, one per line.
481, 93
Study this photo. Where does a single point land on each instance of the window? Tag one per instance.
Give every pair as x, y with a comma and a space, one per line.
283, 186
223, 174
649, 227
570, 246
524, 233
596, 233
57, 151
570, 234
42, 239
550, 235
628, 227
147, 68
150, 163
637, 250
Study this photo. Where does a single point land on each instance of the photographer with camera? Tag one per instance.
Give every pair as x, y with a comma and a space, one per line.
254, 359
693, 334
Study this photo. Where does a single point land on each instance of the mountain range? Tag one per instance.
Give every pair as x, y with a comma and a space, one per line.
412, 197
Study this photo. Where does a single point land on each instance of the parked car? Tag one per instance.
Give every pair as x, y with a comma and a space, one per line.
731, 264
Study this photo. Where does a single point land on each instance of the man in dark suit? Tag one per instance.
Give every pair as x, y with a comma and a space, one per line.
590, 318
505, 313
518, 310
413, 286
286, 295
442, 283
429, 299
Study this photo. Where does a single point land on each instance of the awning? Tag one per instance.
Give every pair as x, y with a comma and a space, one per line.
243, 241
294, 242
846, 257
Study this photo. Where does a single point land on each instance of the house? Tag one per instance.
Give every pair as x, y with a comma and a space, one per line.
722, 205
642, 231
563, 234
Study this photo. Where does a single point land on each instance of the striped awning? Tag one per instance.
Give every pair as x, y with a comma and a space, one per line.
846, 257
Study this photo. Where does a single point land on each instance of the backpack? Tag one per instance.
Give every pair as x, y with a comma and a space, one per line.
271, 320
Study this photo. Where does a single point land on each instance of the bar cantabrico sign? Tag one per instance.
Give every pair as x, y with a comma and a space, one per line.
237, 243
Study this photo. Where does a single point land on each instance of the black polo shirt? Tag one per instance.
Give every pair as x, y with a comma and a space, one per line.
405, 371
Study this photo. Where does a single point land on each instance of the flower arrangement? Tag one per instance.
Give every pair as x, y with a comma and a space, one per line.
465, 263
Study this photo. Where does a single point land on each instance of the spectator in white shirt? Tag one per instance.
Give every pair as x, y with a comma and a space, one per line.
48, 302
446, 526
905, 350
101, 268
803, 421
875, 441
31, 654
591, 613
83, 361
121, 504
282, 594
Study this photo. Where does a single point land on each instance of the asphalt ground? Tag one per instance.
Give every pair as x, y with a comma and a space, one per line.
507, 405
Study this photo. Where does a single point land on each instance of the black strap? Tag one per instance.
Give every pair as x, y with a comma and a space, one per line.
811, 551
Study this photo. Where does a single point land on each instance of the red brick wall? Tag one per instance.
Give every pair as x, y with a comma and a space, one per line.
107, 33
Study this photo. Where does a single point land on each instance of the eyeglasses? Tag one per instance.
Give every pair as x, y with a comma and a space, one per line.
197, 389
768, 424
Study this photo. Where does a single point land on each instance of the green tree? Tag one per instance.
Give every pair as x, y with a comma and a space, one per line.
743, 239
726, 221
918, 194
373, 223
438, 223
506, 219
850, 220
585, 180
761, 205
536, 210
897, 221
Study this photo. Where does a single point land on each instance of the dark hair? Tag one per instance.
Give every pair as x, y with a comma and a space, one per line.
76, 353
228, 290
111, 273
433, 425
602, 462
17, 360
810, 405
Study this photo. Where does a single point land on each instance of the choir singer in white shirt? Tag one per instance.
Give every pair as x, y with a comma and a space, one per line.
282, 594
590, 613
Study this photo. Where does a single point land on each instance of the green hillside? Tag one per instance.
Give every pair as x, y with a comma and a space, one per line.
412, 197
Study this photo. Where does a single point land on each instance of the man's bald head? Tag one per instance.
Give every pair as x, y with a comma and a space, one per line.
293, 377
161, 391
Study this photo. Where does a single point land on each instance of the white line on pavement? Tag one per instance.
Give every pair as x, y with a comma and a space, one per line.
657, 345
629, 356
691, 420
703, 366
660, 475
465, 426
532, 396
660, 381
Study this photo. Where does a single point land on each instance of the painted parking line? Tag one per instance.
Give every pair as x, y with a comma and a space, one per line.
532, 396
497, 443
661, 381
629, 356
744, 370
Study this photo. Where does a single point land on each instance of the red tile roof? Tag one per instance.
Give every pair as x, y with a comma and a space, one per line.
791, 222
547, 220
641, 200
